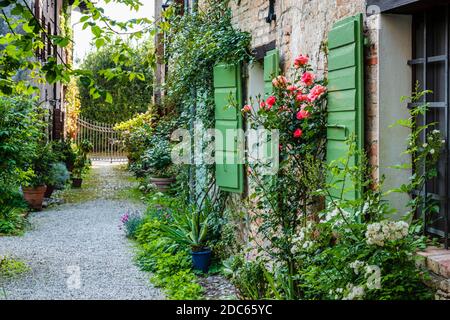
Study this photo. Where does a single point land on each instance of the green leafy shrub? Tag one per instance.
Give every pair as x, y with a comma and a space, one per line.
155, 158
173, 273
58, 175
12, 220
168, 262
82, 162
248, 277
134, 135
64, 152
21, 131
10, 267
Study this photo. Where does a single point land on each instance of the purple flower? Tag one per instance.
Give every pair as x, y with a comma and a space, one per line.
124, 219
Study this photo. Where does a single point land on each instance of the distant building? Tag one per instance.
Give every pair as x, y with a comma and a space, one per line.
51, 16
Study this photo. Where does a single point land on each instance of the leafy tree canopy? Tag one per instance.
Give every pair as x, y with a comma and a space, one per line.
26, 35
128, 85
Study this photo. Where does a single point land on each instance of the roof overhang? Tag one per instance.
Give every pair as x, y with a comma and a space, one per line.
402, 6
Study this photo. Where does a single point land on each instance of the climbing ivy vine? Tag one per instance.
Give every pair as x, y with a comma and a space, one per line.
197, 42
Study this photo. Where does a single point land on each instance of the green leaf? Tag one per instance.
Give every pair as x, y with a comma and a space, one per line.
99, 42
109, 98
5, 3
96, 30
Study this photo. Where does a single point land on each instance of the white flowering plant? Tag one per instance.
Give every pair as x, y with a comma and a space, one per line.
359, 251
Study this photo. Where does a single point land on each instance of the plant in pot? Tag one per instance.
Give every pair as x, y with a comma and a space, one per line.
57, 178
157, 162
190, 228
65, 152
36, 177
82, 163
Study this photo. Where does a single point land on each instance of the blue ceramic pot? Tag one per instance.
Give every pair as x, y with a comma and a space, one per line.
201, 260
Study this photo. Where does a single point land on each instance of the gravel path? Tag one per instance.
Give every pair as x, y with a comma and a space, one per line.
76, 251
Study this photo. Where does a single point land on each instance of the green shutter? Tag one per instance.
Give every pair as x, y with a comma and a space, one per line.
346, 94
227, 85
271, 70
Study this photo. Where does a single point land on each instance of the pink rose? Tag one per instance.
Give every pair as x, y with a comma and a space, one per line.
247, 108
302, 114
298, 133
300, 61
271, 101
302, 97
292, 88
279, 82
308, 78
316, 92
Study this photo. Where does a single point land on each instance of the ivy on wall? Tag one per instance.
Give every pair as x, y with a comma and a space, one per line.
197, 42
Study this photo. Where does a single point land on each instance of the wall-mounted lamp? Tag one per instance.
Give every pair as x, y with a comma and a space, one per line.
271, 16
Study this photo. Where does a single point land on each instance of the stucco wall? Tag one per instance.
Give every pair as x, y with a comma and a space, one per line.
394, 51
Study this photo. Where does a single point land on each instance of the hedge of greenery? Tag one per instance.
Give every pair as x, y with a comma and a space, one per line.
21, 131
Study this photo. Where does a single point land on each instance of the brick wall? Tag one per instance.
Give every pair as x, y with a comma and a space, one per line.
302, 26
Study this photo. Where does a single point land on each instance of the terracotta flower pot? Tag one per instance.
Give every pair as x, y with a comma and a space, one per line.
162, 184
35, 196
49, 191
76, 182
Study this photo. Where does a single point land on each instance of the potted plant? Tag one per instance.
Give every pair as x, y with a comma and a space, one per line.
82, 163
57, 178
158, 164
65, 152
34, 190
37, 174
190, 228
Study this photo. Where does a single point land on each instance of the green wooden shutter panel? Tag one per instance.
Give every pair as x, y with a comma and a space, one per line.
227, 85
271, 70
346, 93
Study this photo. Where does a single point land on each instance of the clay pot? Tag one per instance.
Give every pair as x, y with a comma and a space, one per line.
162, 184
35, 196
76, 183
49, 191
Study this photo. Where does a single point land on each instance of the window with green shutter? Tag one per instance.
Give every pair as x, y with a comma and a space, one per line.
271, 69
228, 118
346, 93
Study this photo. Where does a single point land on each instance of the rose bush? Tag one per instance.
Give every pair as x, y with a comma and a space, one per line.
297, 110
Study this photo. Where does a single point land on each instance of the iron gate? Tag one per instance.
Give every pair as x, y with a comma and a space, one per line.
106, 140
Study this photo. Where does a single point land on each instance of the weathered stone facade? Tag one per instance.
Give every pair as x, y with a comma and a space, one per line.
302, 26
